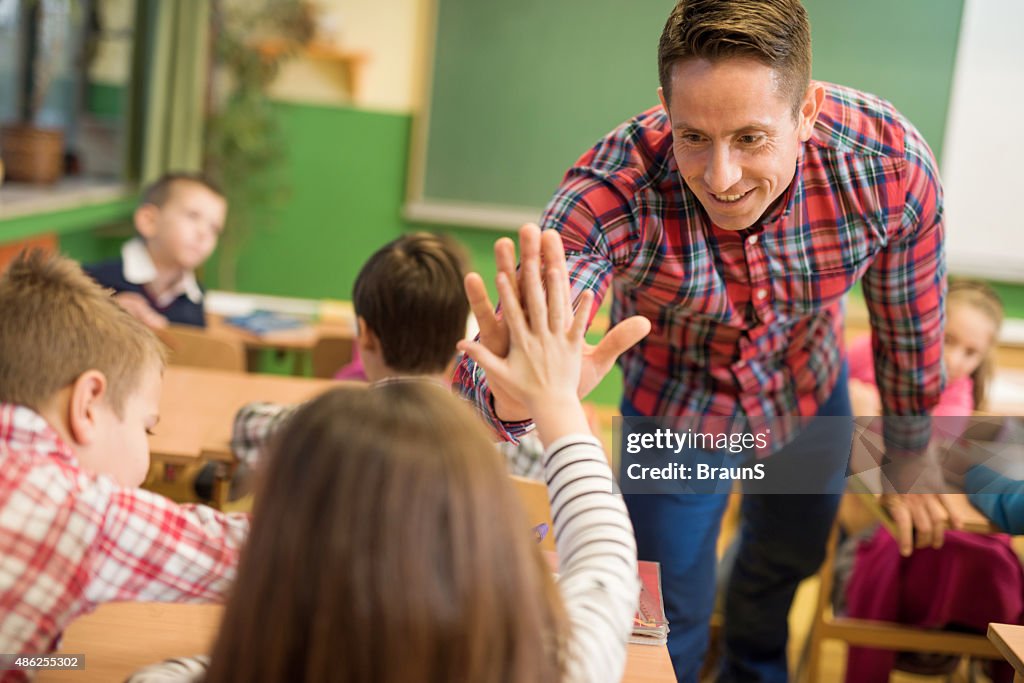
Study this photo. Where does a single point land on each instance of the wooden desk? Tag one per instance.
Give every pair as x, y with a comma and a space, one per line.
1009, 640
319, 349
120, 638
330, 318
198, 406
299, 339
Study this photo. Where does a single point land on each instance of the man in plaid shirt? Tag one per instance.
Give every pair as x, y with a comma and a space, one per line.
79, 390
735, 217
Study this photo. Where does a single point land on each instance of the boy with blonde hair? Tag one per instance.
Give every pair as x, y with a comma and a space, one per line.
179, 220
80, 386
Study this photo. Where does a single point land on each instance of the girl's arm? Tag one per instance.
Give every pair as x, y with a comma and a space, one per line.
597, 558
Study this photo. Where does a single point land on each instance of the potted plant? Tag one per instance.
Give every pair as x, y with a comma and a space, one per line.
245, 150
32, 152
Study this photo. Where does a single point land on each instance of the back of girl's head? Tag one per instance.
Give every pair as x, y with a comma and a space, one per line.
388, 545
980, 297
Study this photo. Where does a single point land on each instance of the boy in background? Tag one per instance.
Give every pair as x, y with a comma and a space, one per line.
179, 219
80, 387
411, 310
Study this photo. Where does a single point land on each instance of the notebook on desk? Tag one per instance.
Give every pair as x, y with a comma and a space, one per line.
650, 627
267, 322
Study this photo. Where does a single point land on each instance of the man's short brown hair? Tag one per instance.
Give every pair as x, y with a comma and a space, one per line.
774, 32
159, 191
56, 323
410, 295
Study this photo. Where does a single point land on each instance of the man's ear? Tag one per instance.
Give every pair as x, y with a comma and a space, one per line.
145, 220
366, 337
87, 393
664, 104
814, 98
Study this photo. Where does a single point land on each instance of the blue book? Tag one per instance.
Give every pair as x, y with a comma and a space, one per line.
264, 322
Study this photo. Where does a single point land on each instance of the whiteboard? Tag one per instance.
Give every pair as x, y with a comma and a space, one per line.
983, 151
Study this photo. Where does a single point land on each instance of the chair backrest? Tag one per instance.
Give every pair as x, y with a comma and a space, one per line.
534, 497
329, 354
196, 348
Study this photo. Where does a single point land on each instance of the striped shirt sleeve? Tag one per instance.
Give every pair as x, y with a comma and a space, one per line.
597, 558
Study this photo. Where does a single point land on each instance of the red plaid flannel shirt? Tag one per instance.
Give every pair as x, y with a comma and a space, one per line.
70, 541
749, 323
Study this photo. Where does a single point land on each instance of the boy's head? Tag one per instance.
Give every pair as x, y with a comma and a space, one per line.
181, 216
411, 306
70, 353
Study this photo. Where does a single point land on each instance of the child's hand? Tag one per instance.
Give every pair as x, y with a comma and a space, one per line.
543, 254
545, 337
137, 305
494, 333
542, 368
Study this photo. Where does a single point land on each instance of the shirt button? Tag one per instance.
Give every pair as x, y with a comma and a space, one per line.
752, 240
761, 294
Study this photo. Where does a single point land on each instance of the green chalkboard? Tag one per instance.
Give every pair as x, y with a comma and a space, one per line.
520, 89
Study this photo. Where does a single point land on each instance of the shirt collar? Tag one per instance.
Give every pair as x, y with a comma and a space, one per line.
139, 269
405, 379
26, 430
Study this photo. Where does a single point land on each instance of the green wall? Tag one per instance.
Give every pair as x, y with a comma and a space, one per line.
347, 173
903, 51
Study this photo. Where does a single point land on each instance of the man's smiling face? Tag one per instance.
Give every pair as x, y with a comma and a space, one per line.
736, 137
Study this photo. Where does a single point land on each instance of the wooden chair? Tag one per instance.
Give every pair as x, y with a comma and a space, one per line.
329, 354
534, 497
196, 348
880, 634
534, 494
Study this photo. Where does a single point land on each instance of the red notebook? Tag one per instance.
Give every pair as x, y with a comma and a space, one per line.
650, 627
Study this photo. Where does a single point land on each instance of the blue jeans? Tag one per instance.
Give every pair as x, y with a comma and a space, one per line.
782, 542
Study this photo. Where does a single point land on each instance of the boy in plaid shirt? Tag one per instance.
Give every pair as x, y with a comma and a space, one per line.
80, 386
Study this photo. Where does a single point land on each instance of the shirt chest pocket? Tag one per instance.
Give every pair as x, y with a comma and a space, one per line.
691, 299
816, 270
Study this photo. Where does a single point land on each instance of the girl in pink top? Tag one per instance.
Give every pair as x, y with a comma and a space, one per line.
974, 314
